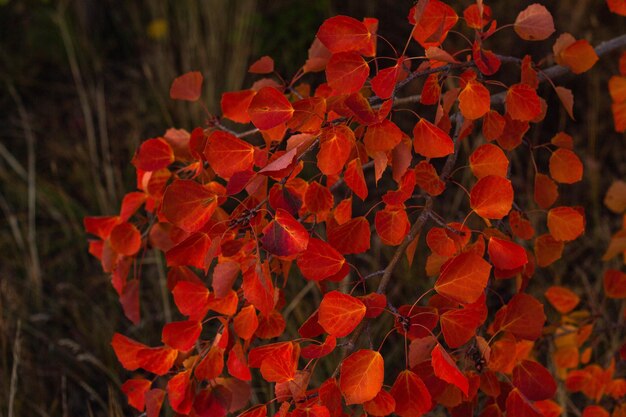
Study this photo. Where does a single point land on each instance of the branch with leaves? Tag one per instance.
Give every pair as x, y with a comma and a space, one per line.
320, 170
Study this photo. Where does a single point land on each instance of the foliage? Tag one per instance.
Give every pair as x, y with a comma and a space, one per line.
248, 212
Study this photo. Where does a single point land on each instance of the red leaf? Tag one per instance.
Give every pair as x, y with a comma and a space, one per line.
385, 81
343, 34
180, 392
339, 313
125, 239
237, 365
190, 252
313, 351
153, 154
355, 180
382, 404
445, 369
280, 164
361, 376
435, 22
258, 288
492, 197
427, 178
320, 260
228, 154
282, 364
154, 401
517, 405
284, 236
211, 366
546, 191
430, 141
392, 225
187, 87
459, 326
346, 72
188, 205
191, 299
505, 254
235, 105
135, 389
534, 23
350, 237
335, 145
269, 108
614, 284
182, 335
533, 380
463, 278
382, 137
411, 395
522, 102
523, 316
263, 65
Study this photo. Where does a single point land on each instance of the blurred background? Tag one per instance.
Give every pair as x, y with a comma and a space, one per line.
82, 82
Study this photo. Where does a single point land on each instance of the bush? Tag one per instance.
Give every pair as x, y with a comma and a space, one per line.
306, 224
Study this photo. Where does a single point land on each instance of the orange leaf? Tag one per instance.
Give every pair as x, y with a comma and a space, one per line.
430, 141
440, 243
595, 411
463, 278
474, 100
562, 299
246, 322
411, 395
318, 351
237, 365
335, 145
615, 198
263, 65
459, 326
567, 99
187, 87
488, 159
565, 166
281, 364
343, 34
181, 335
308, 115
493, 125
565, 223
211, 366
427, 178
361, 376
235, 105
617, 6
534, 23
269, 108
533, 380
522, 102
492, 197
191, 299
346, 72
339, 313
227, 154
578, 56
188, 205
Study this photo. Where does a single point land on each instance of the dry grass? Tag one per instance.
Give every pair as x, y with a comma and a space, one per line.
83, 82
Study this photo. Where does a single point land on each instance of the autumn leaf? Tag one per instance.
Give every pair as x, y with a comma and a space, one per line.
339, 313
463, 278
474, 100
269, 108
523, 316
430, 141
565, 166
187, 87
492, 197
534, 23
153, 154
445, 369
181, 335
487, 160
228, 154
361, 376
533, 380
565, 223
562, 299
522, 102
346, 72
284, 236
343, 34
188, 205
411, 395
